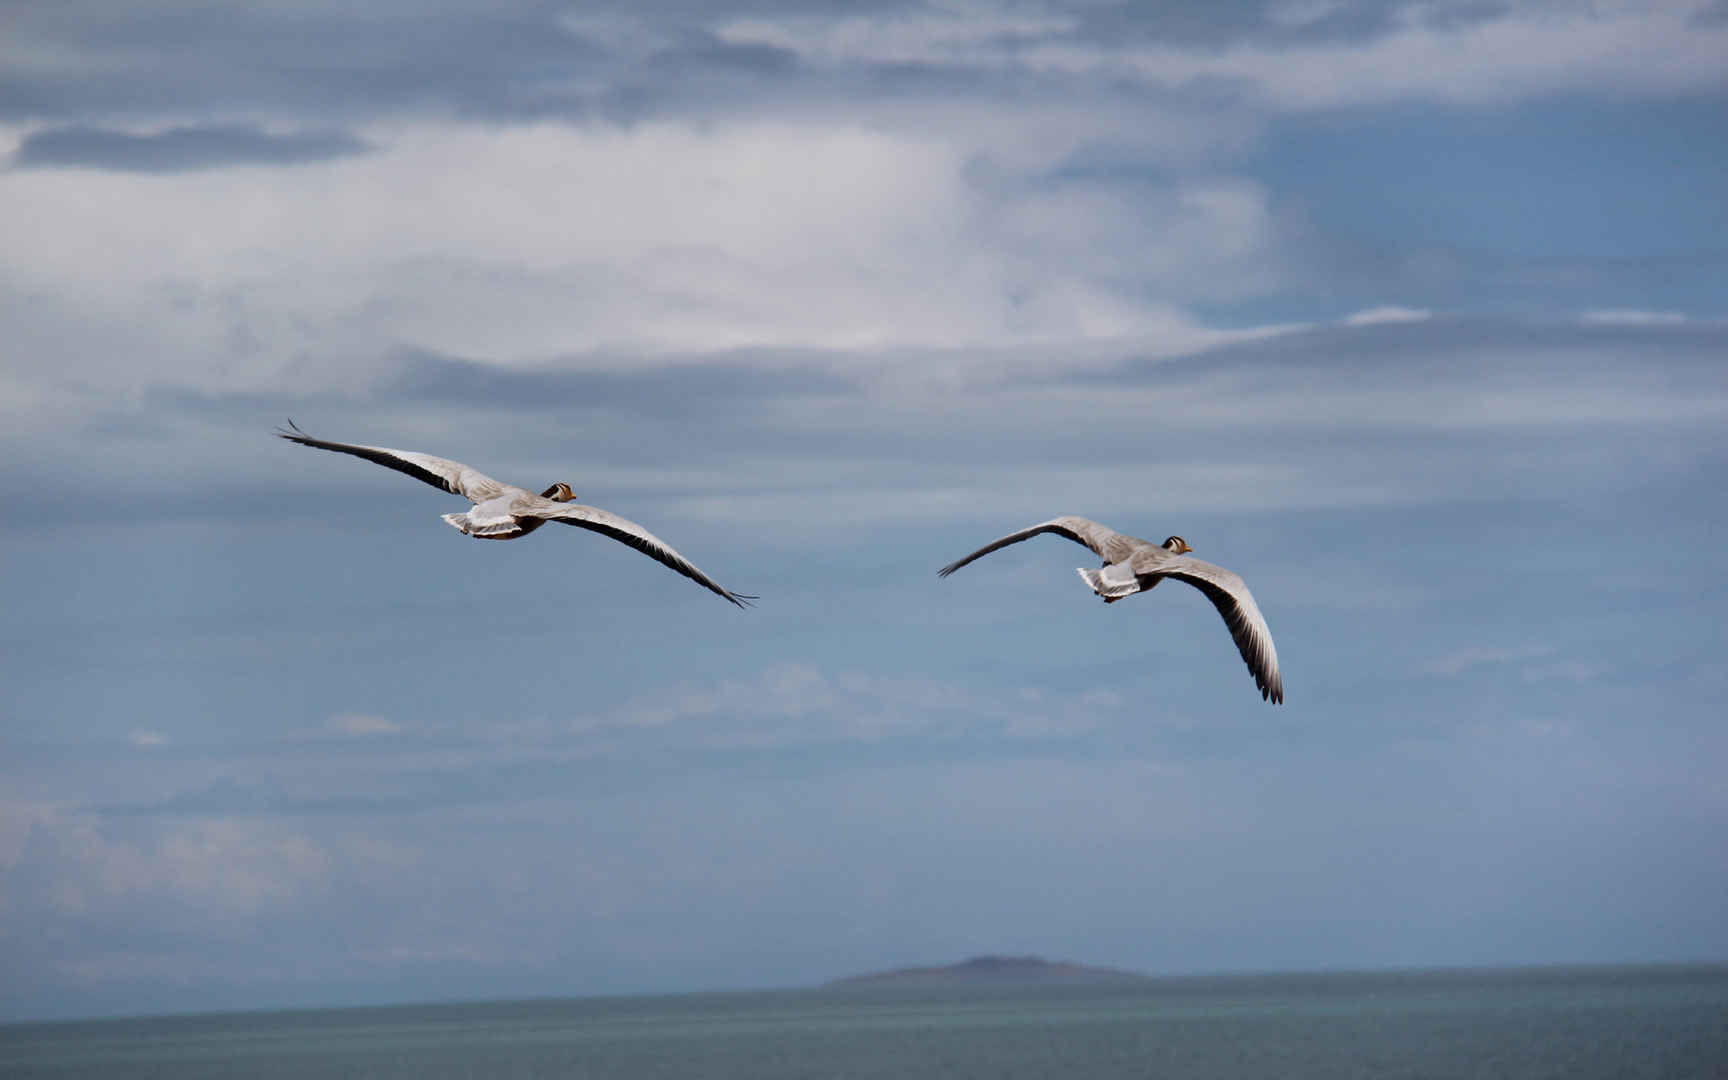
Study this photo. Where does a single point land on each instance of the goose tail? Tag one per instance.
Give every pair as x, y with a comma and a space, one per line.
1107, 585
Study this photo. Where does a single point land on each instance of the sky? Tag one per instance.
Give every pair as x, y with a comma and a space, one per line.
1414, 314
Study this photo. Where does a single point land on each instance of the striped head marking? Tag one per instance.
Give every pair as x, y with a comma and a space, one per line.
1178, 545
559, 492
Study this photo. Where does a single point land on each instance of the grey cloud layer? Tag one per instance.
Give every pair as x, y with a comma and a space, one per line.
618, 62
807, 443
181, 149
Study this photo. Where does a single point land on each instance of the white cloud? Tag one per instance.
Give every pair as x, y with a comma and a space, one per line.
898, 229
363, 724
1026, 493
78, 866
1292, 13
1632, 317
1561, 671
541, 241
798, 705
1390, 313
1517, 54
1463, 660
17, 819
1427, 54
966, 34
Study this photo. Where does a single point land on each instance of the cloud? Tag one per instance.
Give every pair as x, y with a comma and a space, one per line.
1436, 374
868, 219
513, 56
1457, 663
548, 247
1633, 317
77, 867
1567, 671
517, 60
686, 388
1516, 52
742, 872
796, 705
182, 149
1303, 57
360, 725
17, 819
1390, 313
814, 445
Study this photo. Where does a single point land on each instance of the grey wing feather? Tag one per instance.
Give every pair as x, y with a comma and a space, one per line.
1078, 529
628, 532
1230, 595
451, 476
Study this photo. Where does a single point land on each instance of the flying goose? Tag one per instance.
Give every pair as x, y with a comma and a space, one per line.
1133, 565
504, 511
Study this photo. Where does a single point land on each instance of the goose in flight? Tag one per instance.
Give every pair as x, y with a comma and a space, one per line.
504, 511
1133, 565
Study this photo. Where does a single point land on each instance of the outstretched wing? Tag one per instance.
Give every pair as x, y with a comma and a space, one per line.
1078, 529
1230, 595
451, 476
628, 532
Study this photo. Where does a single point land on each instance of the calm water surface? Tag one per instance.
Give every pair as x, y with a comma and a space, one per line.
1607, 1023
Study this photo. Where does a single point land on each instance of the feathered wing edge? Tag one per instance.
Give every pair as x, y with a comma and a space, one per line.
628, 532
1081, 530
1230, 595
451, 476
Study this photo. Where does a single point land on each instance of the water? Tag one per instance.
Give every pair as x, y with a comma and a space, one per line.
1568, 1024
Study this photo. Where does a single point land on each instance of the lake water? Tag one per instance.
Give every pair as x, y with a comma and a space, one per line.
1568, 1024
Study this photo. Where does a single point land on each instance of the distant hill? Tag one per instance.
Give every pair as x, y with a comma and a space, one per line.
993, 969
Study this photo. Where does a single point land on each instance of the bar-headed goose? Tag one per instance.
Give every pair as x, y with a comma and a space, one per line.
1133, 565
504, 511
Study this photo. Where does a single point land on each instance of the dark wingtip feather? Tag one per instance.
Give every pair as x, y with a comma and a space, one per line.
956, 564
1271, 689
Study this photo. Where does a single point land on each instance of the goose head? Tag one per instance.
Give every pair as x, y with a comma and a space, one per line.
1177, 545
559, 492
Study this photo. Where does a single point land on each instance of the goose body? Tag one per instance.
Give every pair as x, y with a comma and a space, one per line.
504, 511
1134, 565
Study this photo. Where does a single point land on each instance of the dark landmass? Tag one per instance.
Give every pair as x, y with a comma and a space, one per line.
994, 969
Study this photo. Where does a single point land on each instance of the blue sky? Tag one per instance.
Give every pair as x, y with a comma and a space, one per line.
1412, 314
